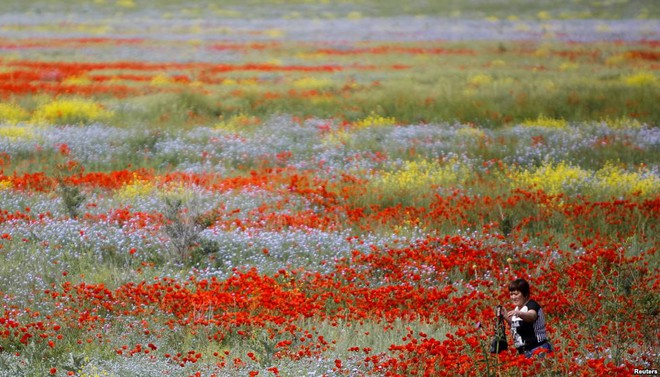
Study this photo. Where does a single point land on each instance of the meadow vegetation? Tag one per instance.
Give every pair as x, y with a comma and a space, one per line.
326, 188
511, 9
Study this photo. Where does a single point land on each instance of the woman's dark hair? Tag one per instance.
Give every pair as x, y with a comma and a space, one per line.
520, 285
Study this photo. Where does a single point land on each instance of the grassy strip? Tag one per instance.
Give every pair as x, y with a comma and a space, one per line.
543, 9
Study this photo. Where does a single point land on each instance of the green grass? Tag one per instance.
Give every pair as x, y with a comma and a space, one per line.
502, 9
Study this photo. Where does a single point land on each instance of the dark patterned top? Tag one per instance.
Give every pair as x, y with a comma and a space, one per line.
528, 335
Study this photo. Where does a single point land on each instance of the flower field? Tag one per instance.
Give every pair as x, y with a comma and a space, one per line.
326, 188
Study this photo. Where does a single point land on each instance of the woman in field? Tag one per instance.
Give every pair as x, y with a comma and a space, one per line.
527, 321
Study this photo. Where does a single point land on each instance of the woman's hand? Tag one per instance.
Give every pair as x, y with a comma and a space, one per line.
507, 316
528, 316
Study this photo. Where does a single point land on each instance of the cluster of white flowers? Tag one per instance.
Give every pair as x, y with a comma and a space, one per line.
214, 150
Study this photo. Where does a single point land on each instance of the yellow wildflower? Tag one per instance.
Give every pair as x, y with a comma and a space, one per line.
615, 60
312, 83
480, 79
239, 122
137, 188
70, 111
5, 183
16, 132
160, 80
616, 181
11, 113
374, 120
336, 138
551, 178
498, 63
125, 3
471, 132
622, 123
568, 66
178, 192
423, 174
274, 33
543, 15
77, 80
543, 121
641, 79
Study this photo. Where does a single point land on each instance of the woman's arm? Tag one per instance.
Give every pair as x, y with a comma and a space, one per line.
528, 316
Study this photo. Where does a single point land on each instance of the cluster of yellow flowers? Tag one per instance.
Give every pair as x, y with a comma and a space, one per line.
10, 117
374, 120
550, 177
422, 174
59, 111
480, 79
611, 180
237, 123
125, 3
616, 181
77, 80
568, 66
5, 183
543, 121
12, 113
312, 83
471, 133
641, 79
16, 132
140, 188
70, 111
160, 80
177, 192
92, 371
137, 188
337, 138
622, 123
